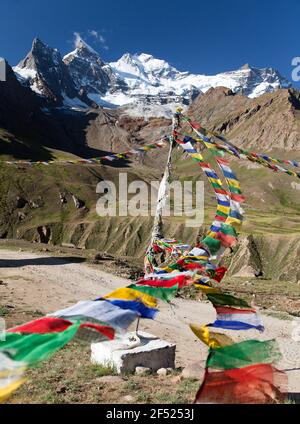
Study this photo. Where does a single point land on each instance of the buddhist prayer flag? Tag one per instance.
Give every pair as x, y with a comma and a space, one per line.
98, 311
30, 348
142, 310
11, 375
242, 354
42, 326
221, 299
131, 294
210, 338
243, 373
21, 350
261, 383
8, 389
179, 280
163, 293
206, 288
237, 319
219, 273
212, 244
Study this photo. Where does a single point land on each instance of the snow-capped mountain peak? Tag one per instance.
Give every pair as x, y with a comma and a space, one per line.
44, 71
40, 54
145, 67
140, 79
129, 66
159, 68
89, 72
252, 81
83, 50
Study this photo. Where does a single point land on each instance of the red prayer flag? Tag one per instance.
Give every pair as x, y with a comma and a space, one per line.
261, 383
226, 239
56, 325
181, 280
219, 273
42, 326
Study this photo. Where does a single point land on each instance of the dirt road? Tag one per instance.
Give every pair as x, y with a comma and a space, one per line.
36, 281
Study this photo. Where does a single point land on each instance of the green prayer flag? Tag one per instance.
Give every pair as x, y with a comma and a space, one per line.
220, 213
32, 348
239, 355
228, 229
212, 243
234, 190
163, 293
220, 299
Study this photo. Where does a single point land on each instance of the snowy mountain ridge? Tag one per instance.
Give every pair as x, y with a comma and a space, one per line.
82, 79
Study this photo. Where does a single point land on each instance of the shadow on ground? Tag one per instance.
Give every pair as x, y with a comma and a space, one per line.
17, 263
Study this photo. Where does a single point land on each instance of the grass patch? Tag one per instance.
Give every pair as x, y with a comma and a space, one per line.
282, 296
69, 377
101, 370
4, 311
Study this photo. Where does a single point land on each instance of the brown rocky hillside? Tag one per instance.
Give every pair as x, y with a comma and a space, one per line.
268, 122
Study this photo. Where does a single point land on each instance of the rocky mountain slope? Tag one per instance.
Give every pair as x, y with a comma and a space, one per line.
26, 131
268, 122
90, 74
47, 75
30, 128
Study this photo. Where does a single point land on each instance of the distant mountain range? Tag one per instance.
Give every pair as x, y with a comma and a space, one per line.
138, 83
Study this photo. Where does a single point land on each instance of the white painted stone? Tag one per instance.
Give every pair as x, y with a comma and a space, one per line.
162, 372
126, 354
295, 185
142, 371
128, 398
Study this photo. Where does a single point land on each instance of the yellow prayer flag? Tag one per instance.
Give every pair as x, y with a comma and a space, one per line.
211, 339
207, 289
197, 156
196, 258
215, 180
5, 392
233, 183
126, 293
224, 209
235, 222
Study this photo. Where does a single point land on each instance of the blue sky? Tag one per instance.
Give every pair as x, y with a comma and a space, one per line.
199, 36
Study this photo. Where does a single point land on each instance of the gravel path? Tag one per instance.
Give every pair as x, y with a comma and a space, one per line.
46, 283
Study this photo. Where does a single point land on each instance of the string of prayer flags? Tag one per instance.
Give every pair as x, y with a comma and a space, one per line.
95, 160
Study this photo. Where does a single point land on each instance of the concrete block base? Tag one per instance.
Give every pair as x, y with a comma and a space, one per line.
126, 354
